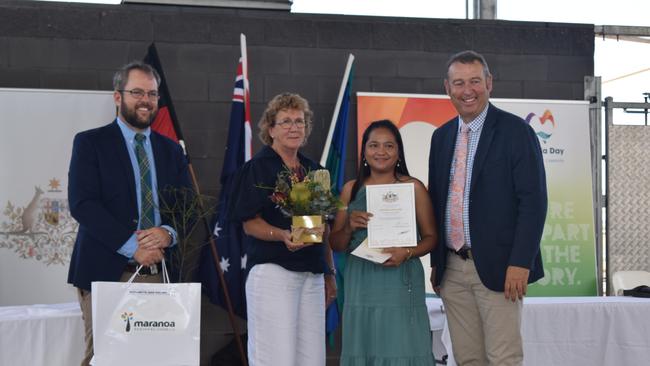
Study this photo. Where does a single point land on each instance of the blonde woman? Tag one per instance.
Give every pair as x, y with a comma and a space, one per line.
289, 283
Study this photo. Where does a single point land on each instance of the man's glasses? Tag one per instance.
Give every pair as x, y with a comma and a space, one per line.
287, 123
139, 93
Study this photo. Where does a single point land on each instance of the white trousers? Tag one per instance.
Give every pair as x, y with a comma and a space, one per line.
286, 317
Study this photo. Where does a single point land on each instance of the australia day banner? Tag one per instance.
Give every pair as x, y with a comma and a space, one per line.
36, 230
562, 127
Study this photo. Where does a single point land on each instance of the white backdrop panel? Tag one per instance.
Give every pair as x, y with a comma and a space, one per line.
36, 230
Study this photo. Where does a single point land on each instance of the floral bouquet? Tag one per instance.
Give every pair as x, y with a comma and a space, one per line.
307, 199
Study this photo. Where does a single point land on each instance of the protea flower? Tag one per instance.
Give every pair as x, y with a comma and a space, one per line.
322, 178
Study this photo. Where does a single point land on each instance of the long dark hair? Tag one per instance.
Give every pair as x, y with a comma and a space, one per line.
364, 170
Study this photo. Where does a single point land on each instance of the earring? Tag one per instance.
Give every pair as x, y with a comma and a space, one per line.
365, 162
398, 163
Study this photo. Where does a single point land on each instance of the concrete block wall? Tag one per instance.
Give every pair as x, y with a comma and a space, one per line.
78, 46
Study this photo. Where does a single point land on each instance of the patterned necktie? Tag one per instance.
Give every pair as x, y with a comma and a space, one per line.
456, 229
146, 210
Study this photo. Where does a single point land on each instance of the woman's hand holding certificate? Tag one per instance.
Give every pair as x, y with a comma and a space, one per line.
393, 221
358, 220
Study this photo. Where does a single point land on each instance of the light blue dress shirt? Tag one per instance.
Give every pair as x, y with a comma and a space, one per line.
129, 248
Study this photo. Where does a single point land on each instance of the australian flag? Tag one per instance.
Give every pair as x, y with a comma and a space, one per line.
229, 235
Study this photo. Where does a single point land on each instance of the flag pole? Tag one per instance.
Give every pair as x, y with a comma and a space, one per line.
333, 159
248, 147
206, 224
337, 108
222, 279
224, 287
213, 244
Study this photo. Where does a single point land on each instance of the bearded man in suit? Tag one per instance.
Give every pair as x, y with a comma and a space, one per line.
118, 174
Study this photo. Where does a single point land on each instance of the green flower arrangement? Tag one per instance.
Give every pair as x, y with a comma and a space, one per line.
299, 194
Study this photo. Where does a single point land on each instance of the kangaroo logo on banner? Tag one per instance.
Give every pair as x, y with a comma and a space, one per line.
41, 229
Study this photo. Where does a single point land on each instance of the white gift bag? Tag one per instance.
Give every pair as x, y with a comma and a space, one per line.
146, 323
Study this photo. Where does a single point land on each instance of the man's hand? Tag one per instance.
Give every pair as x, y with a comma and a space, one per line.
436, 289
153, 238
148, 257
516, 283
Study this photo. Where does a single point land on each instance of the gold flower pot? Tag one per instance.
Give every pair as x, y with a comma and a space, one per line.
307, 229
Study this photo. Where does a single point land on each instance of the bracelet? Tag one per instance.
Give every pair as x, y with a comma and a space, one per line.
409, 252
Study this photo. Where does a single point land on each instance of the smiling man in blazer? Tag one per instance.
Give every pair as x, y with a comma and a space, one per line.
117, 173
488, 187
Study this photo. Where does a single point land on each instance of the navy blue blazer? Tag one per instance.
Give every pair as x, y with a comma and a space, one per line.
102, 198
507, 199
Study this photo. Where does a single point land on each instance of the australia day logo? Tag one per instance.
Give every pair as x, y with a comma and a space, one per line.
544, 127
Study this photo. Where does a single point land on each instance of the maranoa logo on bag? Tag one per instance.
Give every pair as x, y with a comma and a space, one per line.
134, 325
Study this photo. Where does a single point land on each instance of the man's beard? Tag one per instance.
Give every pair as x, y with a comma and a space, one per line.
131, 115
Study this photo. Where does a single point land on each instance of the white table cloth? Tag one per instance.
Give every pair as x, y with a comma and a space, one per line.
41, 335
578, 330
437, 322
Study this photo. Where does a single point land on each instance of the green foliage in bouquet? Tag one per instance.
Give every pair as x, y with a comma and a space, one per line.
305, 194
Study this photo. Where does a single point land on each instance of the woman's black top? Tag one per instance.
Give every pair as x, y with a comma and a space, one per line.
252, 188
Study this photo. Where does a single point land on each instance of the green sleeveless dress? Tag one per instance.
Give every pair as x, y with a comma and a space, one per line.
385, 319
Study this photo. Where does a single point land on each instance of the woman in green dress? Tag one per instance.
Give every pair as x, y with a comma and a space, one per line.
385, 320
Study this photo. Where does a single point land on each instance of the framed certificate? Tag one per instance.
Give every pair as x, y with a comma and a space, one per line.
393, 215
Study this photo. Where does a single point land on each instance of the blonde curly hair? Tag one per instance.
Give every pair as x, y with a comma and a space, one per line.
280, 102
